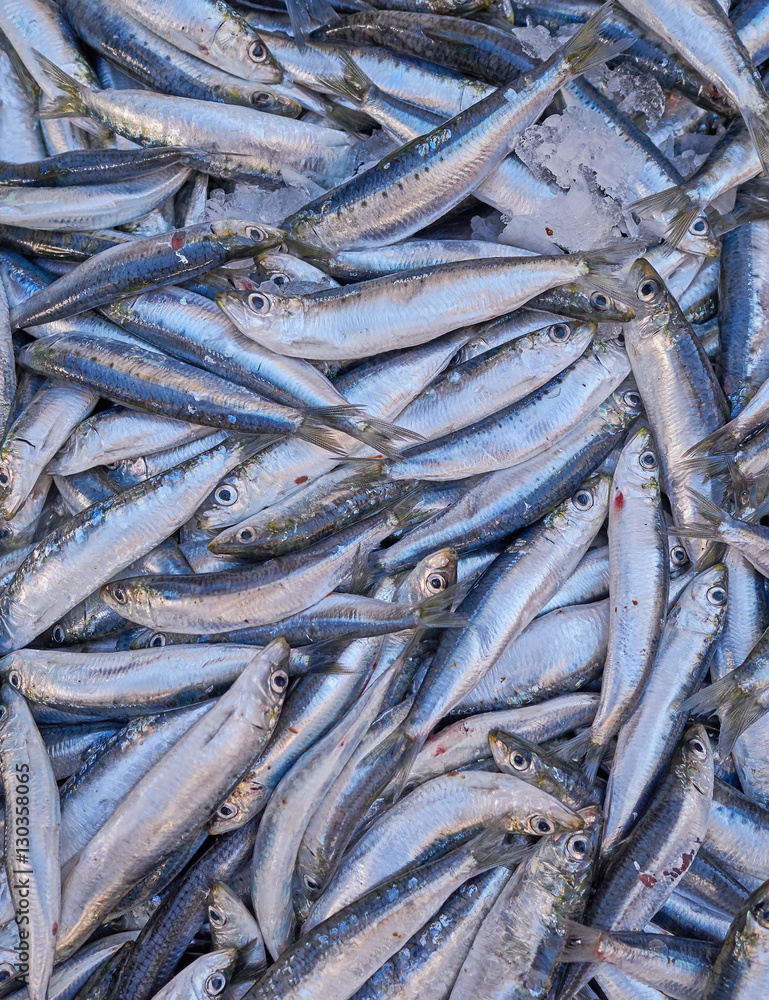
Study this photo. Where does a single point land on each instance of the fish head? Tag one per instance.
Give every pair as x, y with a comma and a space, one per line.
433, 574
225, 916
702, 605
585, 511
638, 464
699, 239
694, 765
251, 237
274, 103
207, 977
584, 301
130, 597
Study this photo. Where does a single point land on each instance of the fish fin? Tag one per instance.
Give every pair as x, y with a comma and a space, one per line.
351, 120
736, 708
708, 466
679, 227
360, 577
672, 199
441, 601
353, 84
758, 126
614, 257
306, 15
25, 78
444, 619
492, 848
388, 755
319, 427
577, 747
325, 658
581, 944
71, 104
308, 251
381, 435
588, 49
720, 440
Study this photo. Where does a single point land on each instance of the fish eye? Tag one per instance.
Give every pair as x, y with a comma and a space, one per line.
280, 279
577, 847
261, 99
5, 477
215, 984
311, 883
279, 681
700, 226
119, 594
225, 495
216, 917
14, 679
697, 747
257, 52
599, 301
540, 825
678, 555
258, 303
256, 234
761, 912
632, 398
648, 289
520, 759
583, 500
620, 339
436, 582
246, 535
6, 971
647, 460
57, 634
157, 640
717, 596
560, 332
226, 811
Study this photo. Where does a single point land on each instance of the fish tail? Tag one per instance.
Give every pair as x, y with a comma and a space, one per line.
69, 105
326, 658
588, 48
581, 944
306, 15
713, 519
614, 257
758, 126
320, 426
383, 436
736, 708
593, 760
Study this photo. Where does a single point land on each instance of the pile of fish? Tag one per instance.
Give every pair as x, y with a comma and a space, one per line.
384, 407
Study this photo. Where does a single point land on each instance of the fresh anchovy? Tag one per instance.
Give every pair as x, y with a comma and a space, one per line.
374, 925
681, 407
400, 311
383, 389
516, 433
434, 172
500, 605
162, 260
431, 820
92, 166
559, 652
233, 926
85, 206
648, 737
505, 501
512, 954
219, 744
638, 591
115, 532
205, 977
647, 867
280, 587
360, 265
143, 378
36, 436
706, 38
131, 682
240, 141
740, 967
677, 966
120, 38
31, 836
